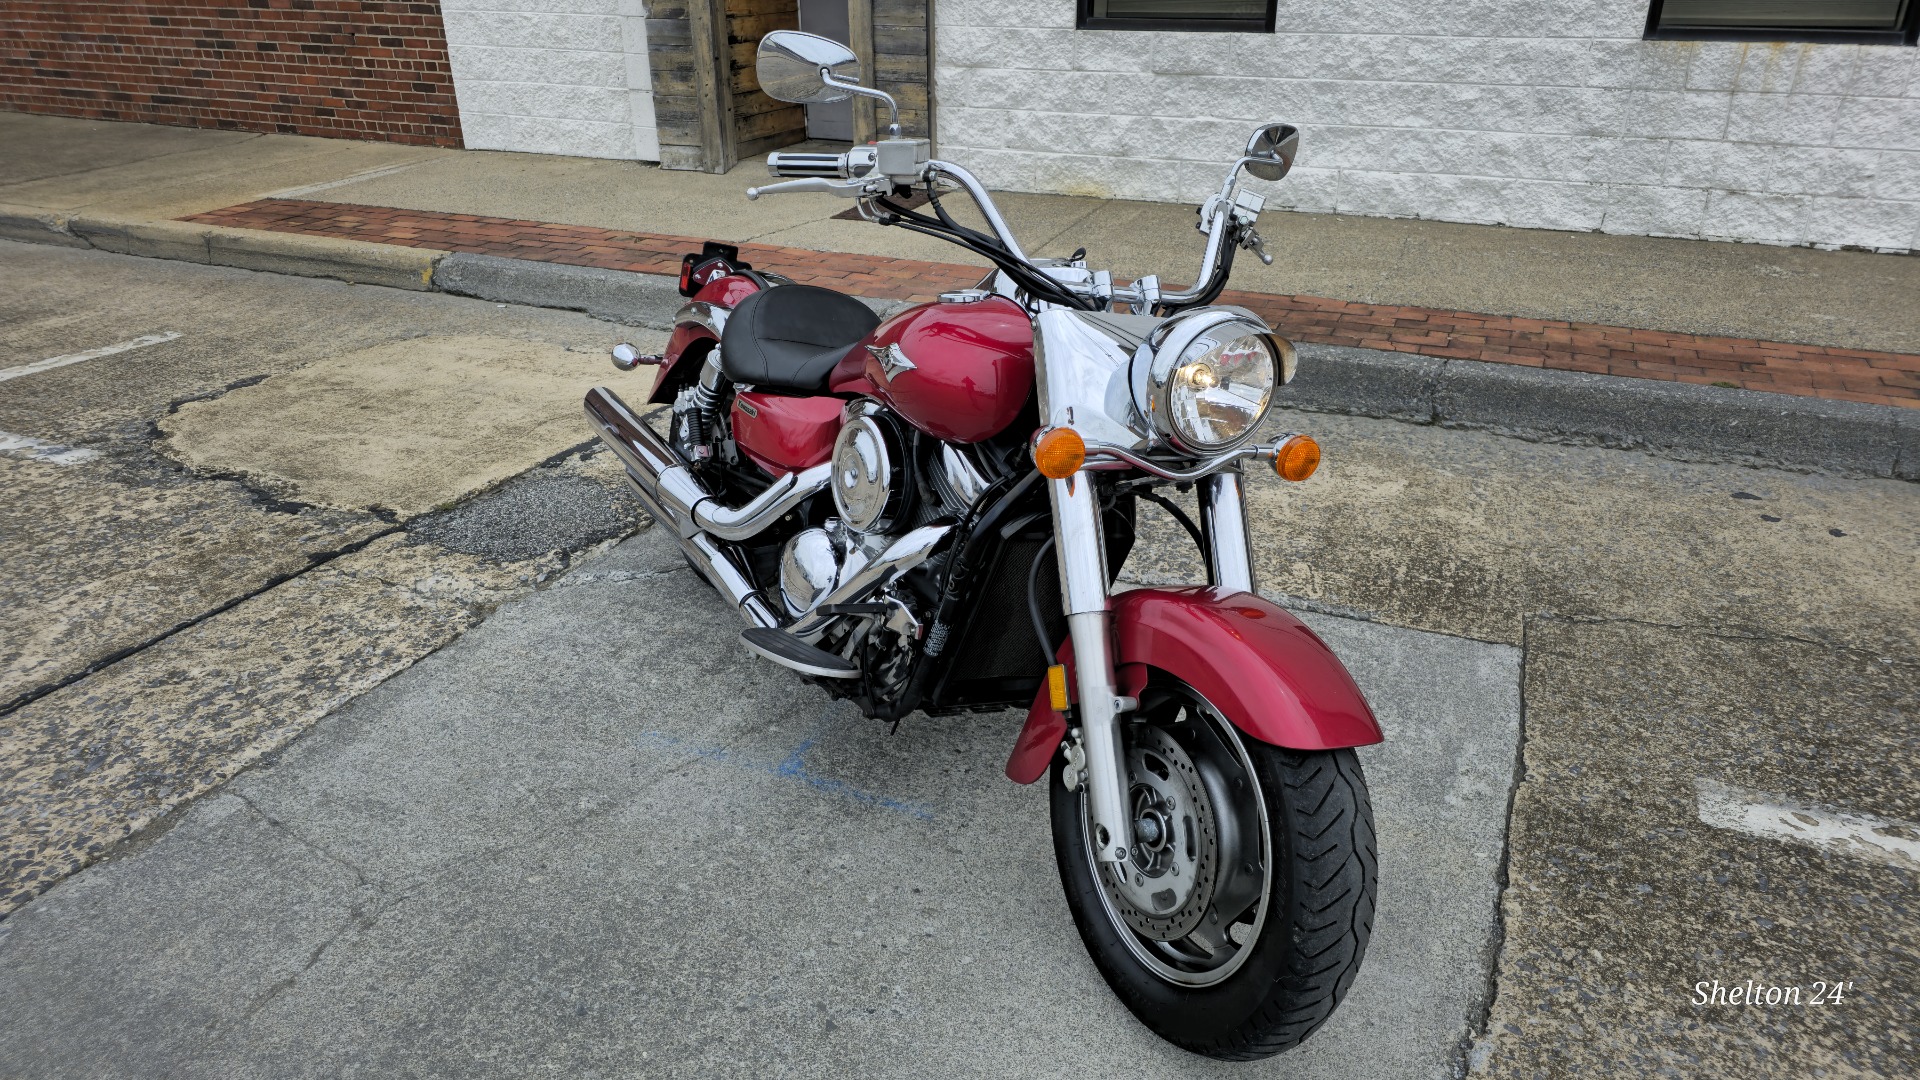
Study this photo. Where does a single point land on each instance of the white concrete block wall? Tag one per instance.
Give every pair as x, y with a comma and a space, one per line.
553, 76
1549, 114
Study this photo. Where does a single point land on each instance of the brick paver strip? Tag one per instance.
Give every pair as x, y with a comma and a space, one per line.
1782, 367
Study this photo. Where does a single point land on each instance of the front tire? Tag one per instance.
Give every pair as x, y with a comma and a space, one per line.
1248, 900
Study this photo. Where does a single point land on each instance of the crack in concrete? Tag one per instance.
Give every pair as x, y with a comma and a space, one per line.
1472, 1053
360, 921
1467, 1054
358, 917
314, 560
1043, 242
258, 495
1342, 611
354, 921
359, 874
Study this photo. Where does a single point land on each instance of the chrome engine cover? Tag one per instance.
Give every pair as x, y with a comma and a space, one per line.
809, 569
867, 469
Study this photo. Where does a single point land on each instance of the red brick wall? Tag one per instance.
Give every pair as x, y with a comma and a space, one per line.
344, 68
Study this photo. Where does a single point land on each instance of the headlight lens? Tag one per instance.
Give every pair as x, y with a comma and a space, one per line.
1220, 389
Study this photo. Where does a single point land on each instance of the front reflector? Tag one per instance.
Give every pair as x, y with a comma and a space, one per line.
1297, 458
1057, 687
1059, 453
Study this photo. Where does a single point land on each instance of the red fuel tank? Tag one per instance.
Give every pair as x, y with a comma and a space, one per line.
959, 372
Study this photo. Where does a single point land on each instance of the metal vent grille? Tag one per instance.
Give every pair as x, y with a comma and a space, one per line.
999, 642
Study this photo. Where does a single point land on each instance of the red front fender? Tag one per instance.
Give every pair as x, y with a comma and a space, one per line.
1270, 675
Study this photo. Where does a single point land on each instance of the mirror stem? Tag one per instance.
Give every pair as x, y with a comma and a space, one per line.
893, 109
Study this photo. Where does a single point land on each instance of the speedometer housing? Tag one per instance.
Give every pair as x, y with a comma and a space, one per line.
1205, 379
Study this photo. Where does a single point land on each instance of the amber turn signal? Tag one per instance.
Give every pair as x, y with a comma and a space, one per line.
1297, 458
1059, 453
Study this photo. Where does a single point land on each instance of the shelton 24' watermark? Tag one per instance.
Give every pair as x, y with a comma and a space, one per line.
1752, 993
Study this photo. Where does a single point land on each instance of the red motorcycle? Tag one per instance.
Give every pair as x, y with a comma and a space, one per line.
929, 513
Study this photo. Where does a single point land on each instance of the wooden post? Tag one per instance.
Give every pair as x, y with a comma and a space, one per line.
866, 123
713, 83
933, 136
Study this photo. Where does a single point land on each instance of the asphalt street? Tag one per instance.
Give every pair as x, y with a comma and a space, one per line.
215, 537
352, 729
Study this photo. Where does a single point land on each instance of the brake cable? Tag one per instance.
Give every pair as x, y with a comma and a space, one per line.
1179, 515
1037, 285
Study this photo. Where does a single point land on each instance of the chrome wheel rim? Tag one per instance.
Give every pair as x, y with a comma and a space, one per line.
1190, 775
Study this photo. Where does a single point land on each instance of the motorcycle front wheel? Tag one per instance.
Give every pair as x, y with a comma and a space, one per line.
1240, 917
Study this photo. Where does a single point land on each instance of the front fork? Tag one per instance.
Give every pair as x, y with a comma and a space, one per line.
1080, 545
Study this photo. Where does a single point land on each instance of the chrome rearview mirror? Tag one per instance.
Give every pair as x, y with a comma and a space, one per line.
790, 66
1270, 152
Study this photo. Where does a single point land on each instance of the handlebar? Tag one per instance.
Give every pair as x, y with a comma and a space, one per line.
853, 175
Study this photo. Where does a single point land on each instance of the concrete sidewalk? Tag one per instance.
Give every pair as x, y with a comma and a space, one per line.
63, 168
537, 851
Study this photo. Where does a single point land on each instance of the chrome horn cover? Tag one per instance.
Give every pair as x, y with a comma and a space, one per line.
809, 569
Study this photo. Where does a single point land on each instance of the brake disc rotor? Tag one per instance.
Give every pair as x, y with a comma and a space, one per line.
1166, 884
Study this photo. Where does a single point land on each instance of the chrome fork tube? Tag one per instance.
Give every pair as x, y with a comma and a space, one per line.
1078, 543
1225, 515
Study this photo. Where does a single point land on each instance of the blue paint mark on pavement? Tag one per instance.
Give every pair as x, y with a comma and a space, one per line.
793, 767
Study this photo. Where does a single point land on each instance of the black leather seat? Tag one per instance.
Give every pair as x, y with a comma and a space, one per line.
789, 337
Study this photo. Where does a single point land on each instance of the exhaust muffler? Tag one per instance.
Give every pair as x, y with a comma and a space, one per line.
664, 475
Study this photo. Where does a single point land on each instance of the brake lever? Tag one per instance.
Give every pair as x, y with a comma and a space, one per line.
846, 189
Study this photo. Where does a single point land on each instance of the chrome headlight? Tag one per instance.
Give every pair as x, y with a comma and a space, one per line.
1205, 380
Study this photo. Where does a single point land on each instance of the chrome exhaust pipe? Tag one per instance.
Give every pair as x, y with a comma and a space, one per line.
668, 489
692, 509
713, 563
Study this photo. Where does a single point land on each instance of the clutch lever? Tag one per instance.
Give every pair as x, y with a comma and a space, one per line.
1253, 242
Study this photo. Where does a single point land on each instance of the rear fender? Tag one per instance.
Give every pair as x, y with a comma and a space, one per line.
696, 331
1271, 677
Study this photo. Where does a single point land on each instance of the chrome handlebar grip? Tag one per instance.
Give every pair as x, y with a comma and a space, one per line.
829, 165
855, 162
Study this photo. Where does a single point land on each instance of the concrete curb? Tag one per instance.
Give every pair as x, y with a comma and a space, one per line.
621, 296
648, 300
31, 226
317, 256
282, 253
1669, 419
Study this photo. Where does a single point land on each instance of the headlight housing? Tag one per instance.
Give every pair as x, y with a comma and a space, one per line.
1206, 379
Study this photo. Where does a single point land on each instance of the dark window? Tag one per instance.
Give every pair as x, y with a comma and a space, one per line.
1885, 22
1247, 16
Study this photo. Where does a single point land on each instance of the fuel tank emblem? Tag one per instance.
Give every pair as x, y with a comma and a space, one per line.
892, 361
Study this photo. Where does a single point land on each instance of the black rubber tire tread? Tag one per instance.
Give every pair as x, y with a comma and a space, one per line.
1314, 939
